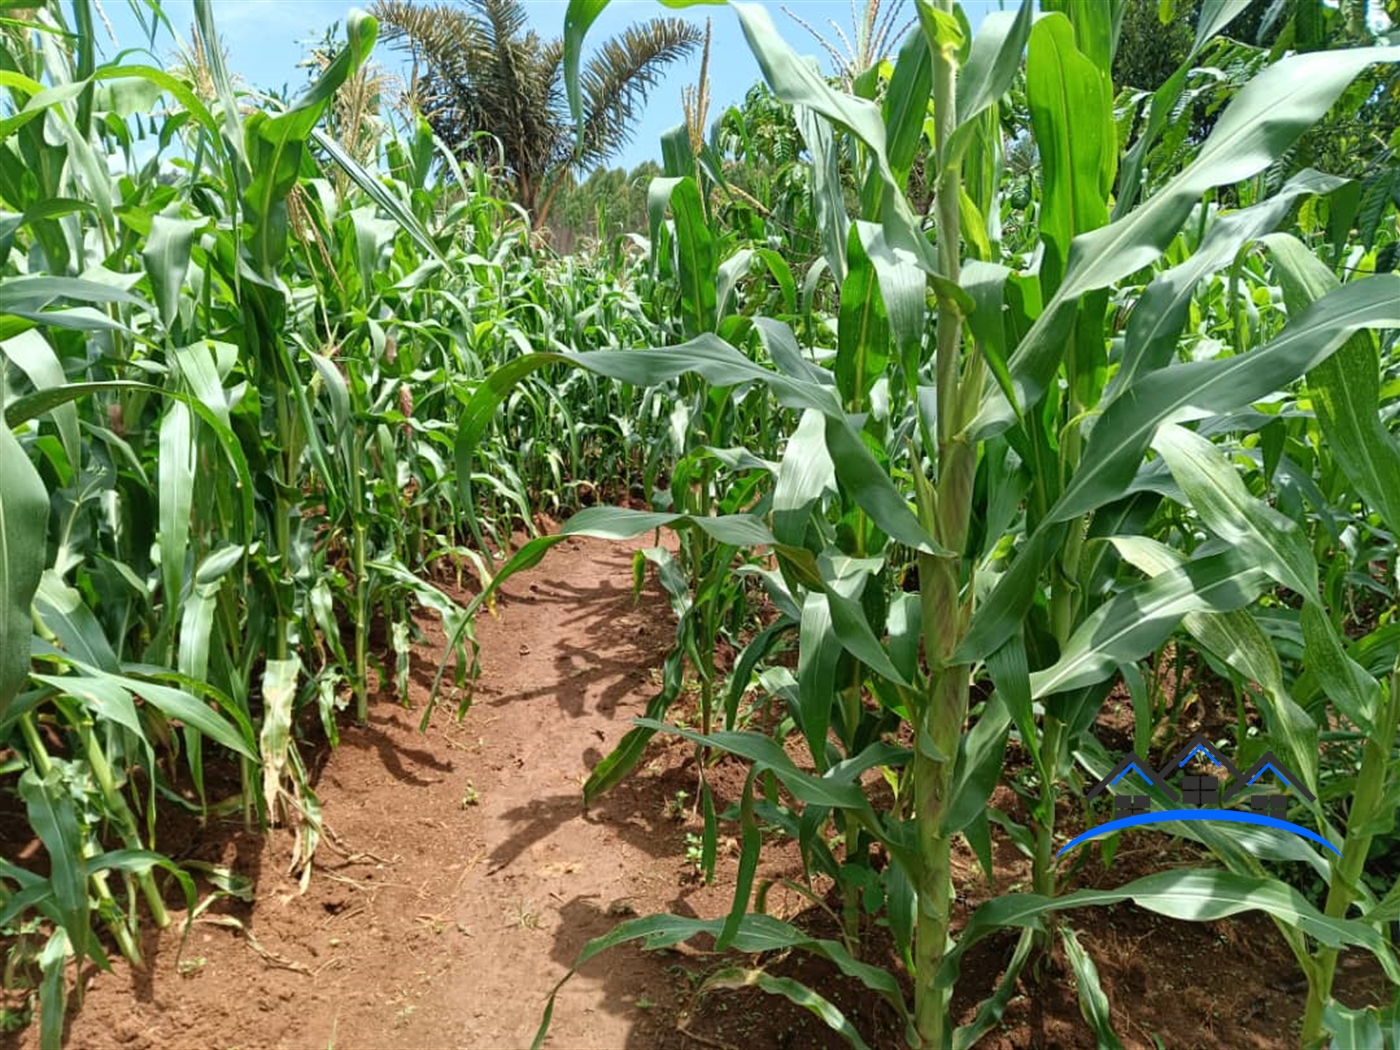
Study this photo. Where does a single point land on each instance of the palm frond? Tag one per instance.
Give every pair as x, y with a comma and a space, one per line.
502, 21
617, 80
431, 32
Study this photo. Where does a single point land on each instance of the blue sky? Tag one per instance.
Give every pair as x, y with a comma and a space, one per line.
264, 37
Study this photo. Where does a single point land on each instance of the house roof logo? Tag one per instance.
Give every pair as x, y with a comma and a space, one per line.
1202, 796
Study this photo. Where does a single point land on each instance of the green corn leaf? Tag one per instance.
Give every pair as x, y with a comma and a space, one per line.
793, 991
1066, 91
1262, 121
750, 843
374, 186
782, 273
213, 50
373, 236
978, 768
818, 652
630, 749
1093, 1004
277, 144
863, 327
1237, 639
799, 82
176, 473
1000, 617
55, 820
1134, 622
756, 934
188, 709
767, 754
21, 410
35, 292
1095, 28
698, 262
1345, 388
53, 989
722, 365
1155, 324
33, 405
903, 292
804, 475
906, 104
992, 64
1201, 389
1190, 894
167, 259
1346, 682
991, 1010
24, 516
827, 201
986, 284
62, 610
1215, 15
31, 353
1353, 1028
1218, 494
730, 272
854, 632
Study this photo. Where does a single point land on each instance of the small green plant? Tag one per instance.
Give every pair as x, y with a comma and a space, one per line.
523, 914
675, 806
695, 854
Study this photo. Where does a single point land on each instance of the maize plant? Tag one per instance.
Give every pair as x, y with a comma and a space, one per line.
984, 420
232, 341
1004, 386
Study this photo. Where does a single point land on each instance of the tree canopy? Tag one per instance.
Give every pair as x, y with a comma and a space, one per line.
493, 89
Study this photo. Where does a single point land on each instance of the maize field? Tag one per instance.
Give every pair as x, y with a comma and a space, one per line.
738, 629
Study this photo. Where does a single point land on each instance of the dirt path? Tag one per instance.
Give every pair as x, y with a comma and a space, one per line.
473, 878
490, 876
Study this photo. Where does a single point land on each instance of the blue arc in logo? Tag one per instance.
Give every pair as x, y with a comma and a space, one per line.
1233, 815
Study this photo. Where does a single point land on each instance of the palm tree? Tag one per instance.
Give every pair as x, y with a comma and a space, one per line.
485, 83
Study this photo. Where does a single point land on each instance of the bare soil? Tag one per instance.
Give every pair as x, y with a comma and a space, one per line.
465, 877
